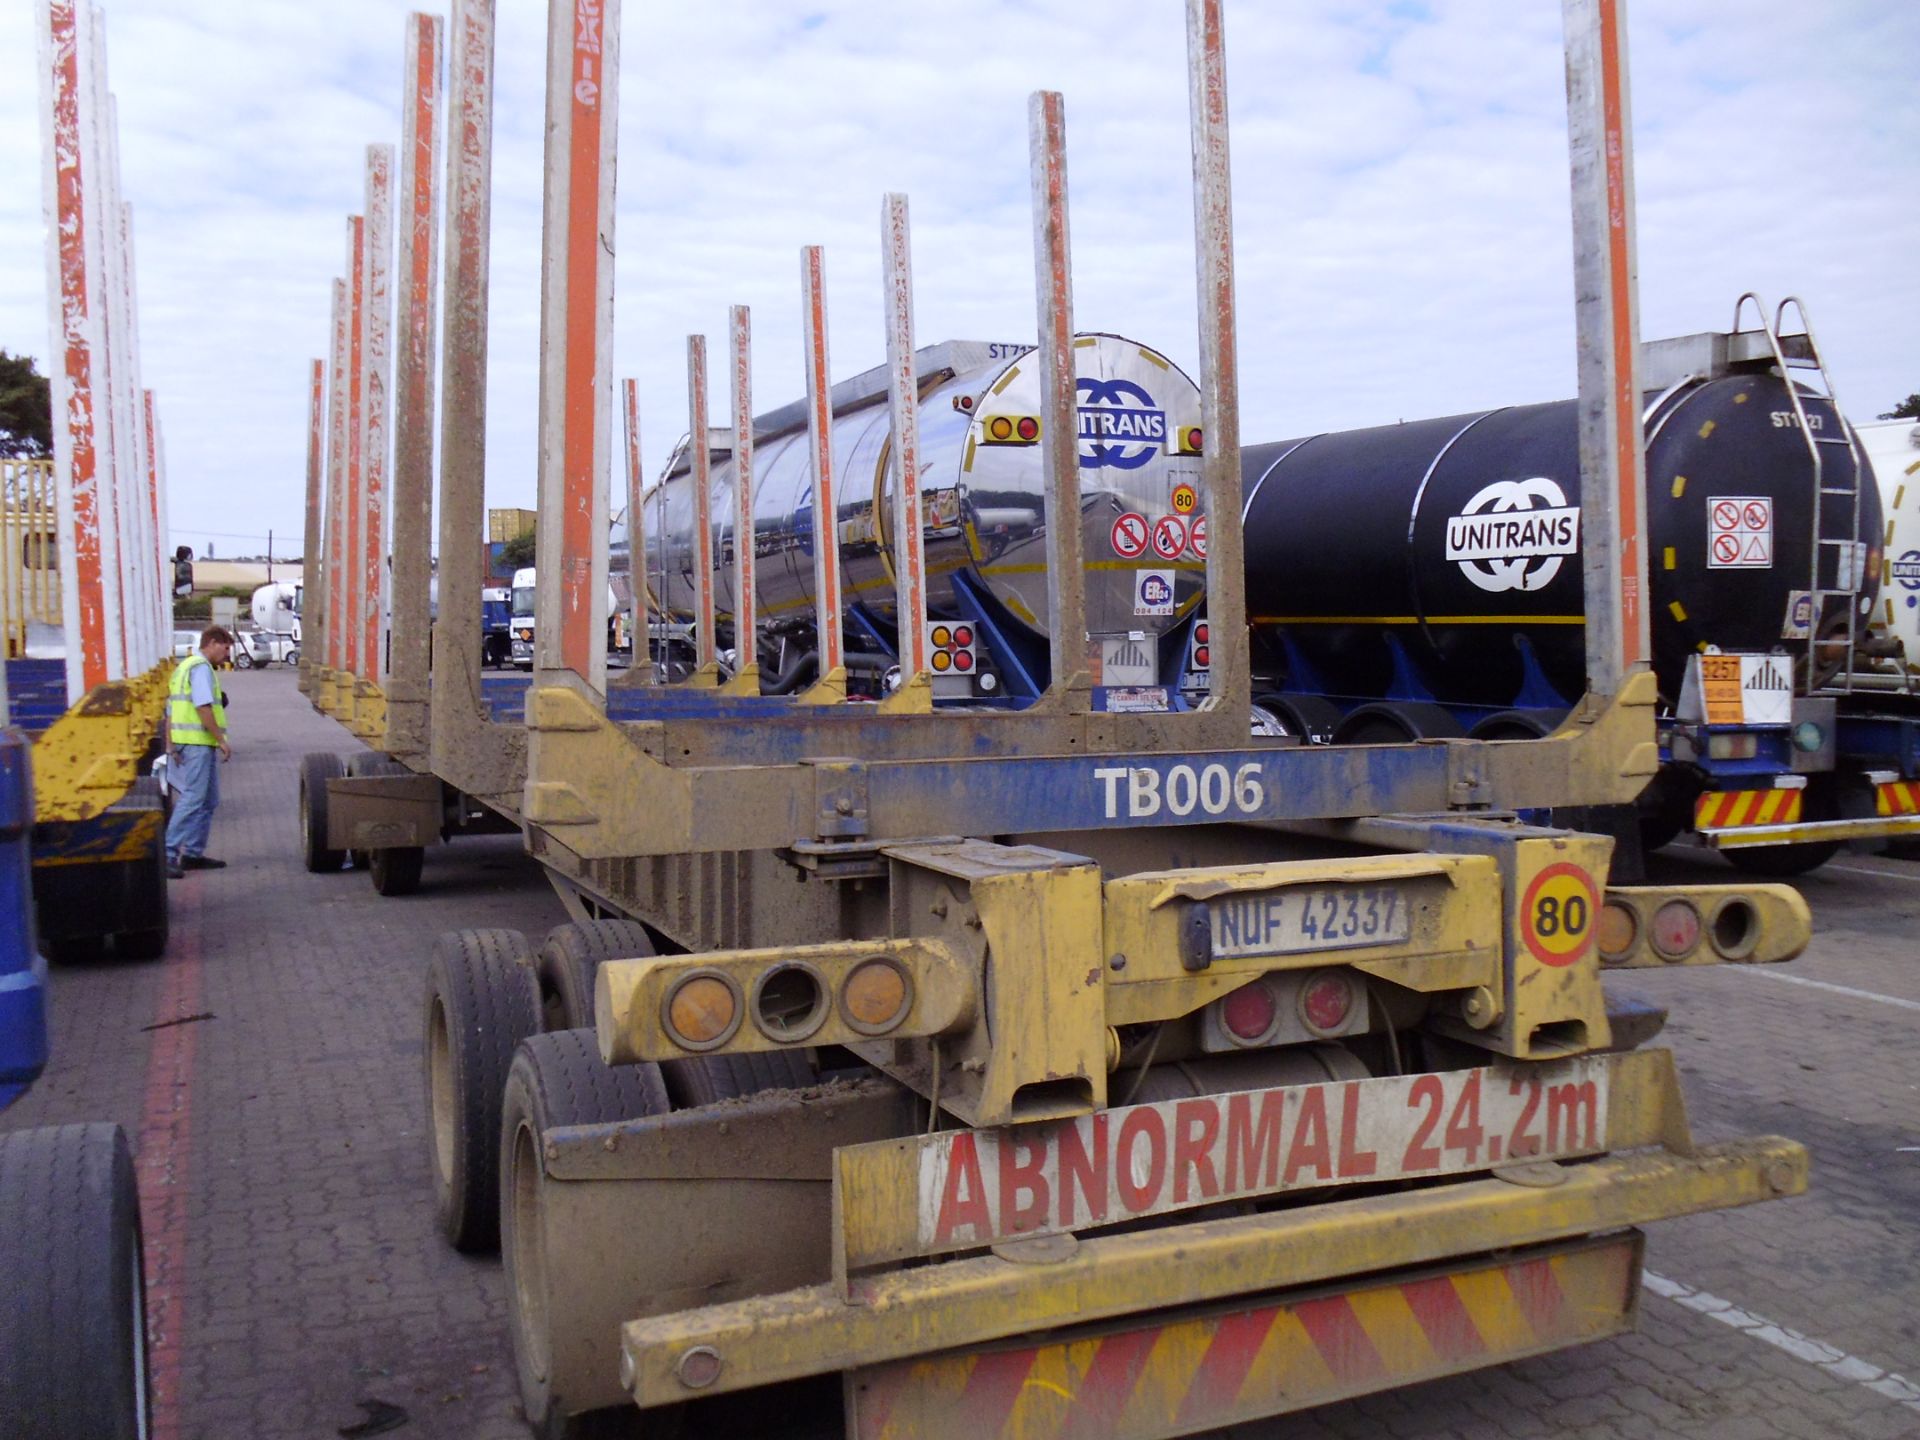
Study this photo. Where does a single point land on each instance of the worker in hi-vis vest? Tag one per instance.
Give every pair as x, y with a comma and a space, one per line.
196, 730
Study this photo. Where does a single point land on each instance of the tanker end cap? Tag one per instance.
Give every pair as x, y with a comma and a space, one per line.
740, 1001
1644, 927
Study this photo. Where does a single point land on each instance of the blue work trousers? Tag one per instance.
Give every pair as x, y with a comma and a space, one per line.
194, 773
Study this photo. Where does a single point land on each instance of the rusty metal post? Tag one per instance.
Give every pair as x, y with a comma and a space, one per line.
1219, 368
700, 479
746, 668
831, 687
326, 578
346, 564
469, 750
576, 341
1607, 335
411, 644
640, 672
316, 450
78, 378
903, 399
377, 358
1059, 435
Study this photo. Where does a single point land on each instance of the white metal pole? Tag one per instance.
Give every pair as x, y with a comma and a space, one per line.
636, 534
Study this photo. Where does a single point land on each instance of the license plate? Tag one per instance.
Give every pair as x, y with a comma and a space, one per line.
1309, 917
981, 1187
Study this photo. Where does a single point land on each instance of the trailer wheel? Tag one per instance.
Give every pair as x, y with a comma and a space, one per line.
396, 871
315, 770
73, 1334
569, 958
482, 1001
556, 1079
704, 1079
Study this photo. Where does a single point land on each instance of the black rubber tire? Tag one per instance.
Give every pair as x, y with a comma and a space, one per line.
315, 770
1782, 862
396, 871
1396, 722
704, 1079
568, 960
482, 1001
73, 1342
556, 1079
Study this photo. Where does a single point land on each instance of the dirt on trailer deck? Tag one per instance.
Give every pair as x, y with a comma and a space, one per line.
269, 1072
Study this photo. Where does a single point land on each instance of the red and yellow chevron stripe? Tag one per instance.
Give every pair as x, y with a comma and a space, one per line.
1724, 809
1897, 797
1201, 1372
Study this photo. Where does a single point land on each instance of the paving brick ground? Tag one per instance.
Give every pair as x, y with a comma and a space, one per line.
298, 1273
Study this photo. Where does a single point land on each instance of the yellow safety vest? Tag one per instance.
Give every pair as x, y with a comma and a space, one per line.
183, 716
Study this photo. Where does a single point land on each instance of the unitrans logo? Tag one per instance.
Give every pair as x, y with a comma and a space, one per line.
1119, 425
1906, 570
1513, 534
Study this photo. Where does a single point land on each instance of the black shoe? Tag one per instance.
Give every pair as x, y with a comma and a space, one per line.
174, 872
201, 862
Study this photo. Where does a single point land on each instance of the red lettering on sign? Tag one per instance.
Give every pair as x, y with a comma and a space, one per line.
1427, 1091
1196, 1125
1022, 1173
1310, 1147
1253, 1147
1521, 1143
1083, 1173
1353, 1162
1140, 1184
1568, 1103
963, 1202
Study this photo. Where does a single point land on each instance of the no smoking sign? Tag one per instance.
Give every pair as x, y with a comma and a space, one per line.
1739, 532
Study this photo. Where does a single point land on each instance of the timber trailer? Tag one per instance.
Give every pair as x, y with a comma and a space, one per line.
1032, 1070
84, 605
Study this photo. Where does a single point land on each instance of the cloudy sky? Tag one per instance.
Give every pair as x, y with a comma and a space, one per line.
1400, 191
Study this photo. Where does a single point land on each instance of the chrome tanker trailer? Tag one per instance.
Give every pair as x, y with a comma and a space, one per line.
1423, 580
983, 498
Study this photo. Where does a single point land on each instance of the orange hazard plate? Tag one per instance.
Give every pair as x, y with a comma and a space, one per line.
1175, 1376
1728, 809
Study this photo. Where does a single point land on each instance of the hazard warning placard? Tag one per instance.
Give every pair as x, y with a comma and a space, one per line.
1737, 690
1739, 532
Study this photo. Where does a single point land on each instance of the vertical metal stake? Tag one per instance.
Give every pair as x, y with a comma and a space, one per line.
1219, 369
418, 267
1059, 445
746, 674
326, 576
903, 399
1607, 331
377, 359
831, 687
316, 450
641, 670
576, 341
700, 479
347, 563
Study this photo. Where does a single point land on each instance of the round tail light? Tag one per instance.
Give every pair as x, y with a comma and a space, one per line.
1248, 1014
1676, 930
1326, 1002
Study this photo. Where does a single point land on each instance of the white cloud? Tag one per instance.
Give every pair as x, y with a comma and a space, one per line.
1399, 172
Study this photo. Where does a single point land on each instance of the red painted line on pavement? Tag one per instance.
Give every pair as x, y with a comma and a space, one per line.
162, 1164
